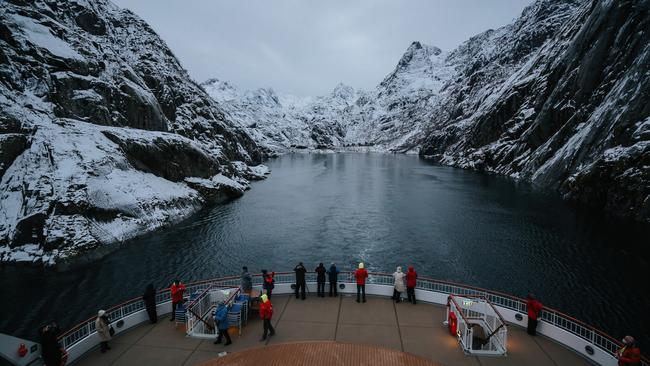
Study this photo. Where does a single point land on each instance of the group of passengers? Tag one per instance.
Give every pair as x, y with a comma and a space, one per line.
403, 282
628, 354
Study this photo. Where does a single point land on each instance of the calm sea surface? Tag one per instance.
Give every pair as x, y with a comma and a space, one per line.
384, 210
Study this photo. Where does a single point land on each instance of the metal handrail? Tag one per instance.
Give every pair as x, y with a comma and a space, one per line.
594, 336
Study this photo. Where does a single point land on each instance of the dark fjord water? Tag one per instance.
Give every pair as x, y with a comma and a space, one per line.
385, 210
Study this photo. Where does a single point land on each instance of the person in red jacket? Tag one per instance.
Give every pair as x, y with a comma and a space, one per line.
629, 354
266, 313
361, 274
177, 289
534, 308
411, 282
268, 282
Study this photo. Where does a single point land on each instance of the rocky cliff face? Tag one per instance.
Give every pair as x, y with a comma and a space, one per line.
560, 98
103, 135
570, 111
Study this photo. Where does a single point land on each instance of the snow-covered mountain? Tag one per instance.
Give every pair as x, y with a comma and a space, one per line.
560, 98
281, 121
103, 135
388, 118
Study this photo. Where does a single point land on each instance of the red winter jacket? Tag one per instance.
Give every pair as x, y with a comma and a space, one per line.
177, 292
629, 356
534, 307
266, 310
361, 274
411, 277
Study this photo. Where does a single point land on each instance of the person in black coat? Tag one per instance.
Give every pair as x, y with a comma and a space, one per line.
320, 279
300, 280
149, 299
333, 273
52, 352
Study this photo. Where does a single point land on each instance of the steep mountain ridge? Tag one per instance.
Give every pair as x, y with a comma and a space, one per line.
559, 97
572, 116
103, 135
346, 117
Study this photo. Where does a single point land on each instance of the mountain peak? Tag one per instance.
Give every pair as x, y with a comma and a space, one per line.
343, 91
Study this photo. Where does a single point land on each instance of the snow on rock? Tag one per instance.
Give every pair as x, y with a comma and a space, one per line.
541, 99
99, 129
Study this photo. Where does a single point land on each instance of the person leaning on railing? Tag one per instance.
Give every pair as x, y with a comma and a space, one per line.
361, 274
268, 283
246, 281
177, 290
411, 282
104, 330
629, 354
534, 308
333, 274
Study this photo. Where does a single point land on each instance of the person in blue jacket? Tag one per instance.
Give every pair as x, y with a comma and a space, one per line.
221, 321
333, 273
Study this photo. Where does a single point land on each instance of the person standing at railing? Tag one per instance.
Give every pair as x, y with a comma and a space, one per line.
268, 283
333, 274
300, 280
534, 309
177, 290
246, 281
102, 325
411, 282
266, 313
221, 320
398, 286
52, 353
629, 354
149, 298
320, 279
361, 274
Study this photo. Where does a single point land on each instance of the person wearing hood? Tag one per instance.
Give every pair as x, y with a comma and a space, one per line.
149, 299
300, 280
411, 282
534, 308
629, 354
360, 275
333, 274
246, 281
398, 287
177, 290
221, 321
266, 313
102, 325
320, 279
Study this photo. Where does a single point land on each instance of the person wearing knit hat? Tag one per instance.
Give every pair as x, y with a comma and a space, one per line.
361, 274
102, 325
266, 313
399, 285
629, 354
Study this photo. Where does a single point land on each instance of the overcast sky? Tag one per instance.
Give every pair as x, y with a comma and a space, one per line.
306, 47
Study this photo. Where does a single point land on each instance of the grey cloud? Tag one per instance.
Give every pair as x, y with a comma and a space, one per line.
307, 47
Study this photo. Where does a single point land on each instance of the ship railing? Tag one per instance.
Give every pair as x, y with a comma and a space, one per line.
478, 310
202, 307
593, 336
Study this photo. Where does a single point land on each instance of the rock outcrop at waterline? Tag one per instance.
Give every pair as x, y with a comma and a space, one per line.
103, 135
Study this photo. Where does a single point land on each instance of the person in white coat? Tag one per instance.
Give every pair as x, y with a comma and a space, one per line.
102, 326
400, 286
